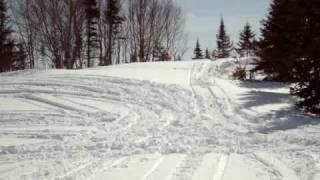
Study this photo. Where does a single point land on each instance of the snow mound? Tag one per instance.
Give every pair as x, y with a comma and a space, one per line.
226, 67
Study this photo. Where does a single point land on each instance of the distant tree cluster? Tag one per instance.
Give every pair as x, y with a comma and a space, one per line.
246, 47
289, 49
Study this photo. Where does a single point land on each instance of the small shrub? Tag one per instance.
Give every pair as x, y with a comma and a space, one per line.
240, 73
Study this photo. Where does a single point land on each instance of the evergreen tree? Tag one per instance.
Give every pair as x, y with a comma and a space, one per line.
114, 21
307, 63
92, 16
289, 49
208, 56
6, 43
280, 35
224, 45
198, 51
247, 41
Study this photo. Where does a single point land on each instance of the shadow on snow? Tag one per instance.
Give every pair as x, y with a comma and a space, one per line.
281, 118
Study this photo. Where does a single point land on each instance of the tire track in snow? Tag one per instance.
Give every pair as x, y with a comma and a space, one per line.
188, 167
165, 168
162, 120
278, 169
153, 168
219, 172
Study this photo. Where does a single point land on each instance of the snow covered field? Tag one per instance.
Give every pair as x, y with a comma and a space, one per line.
153, 121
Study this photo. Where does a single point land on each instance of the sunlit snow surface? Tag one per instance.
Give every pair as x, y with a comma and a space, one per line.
153, 121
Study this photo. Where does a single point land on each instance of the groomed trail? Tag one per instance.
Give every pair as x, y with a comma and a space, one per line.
153, 121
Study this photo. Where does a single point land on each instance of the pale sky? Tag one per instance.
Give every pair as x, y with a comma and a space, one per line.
203, 19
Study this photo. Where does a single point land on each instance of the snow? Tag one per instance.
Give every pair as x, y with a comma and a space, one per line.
183, 120
280, 168
138, 167
17, 104
18, 141
209, 166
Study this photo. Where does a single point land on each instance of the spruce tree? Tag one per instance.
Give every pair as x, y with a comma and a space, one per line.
114, 21
268, 48
197, 51
289, 49
307, 66
208, 56
224, 45
281, 34
247, 41
6, 43
92, 15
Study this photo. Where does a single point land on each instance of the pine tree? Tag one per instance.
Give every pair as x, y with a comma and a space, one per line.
307, 66
224, 45
289, 49
114, 21
280, 35
208, 56
6, 43
198, 51
92, 15
247, 41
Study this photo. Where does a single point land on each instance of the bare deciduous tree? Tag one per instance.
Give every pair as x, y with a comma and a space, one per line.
56, 29
155, 25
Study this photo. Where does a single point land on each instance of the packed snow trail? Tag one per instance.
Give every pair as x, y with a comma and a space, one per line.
152, 121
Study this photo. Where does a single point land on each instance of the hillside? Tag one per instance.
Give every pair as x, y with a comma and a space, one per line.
154, 121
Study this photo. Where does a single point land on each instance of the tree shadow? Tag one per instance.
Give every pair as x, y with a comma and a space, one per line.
260, 98
258, 84
282, 118
286, 119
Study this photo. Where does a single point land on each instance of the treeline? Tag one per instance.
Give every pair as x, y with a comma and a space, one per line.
84, 33
246, 46
287, 51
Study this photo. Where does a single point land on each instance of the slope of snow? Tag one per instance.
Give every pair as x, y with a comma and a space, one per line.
153, 121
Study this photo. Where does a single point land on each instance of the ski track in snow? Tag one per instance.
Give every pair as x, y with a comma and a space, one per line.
79, 126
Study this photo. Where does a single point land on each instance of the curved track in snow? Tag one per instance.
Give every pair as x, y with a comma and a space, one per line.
87, 126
